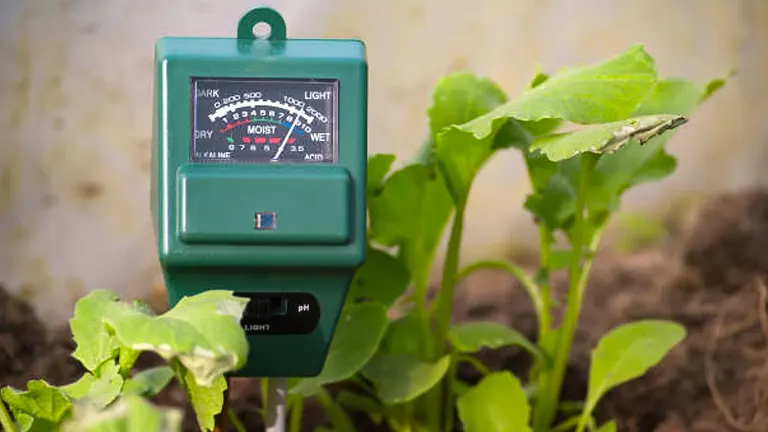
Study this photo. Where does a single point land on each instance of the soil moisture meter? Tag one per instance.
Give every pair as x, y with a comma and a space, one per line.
258, 181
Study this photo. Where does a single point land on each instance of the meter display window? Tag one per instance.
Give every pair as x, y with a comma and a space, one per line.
264, 120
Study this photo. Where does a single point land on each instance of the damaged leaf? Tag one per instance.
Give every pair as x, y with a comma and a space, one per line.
202, 331
606, 138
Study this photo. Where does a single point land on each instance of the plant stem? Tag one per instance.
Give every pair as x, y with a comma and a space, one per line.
5, 419
527, 282
476, 363
450, 379
235, 422
566, 425
444, 303
440, 396
297, 410
578, 270
337, 415
264, 384
545, 316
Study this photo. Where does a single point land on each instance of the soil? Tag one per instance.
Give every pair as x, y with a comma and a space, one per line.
712, 278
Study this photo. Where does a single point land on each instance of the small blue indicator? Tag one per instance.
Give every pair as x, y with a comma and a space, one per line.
266, 220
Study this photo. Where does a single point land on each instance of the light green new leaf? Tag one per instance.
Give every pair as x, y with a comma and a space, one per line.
382, 278
358, 334
40, 408
94, 343
202, 331
149, 382
129, 414
606, 138
106, 386
626, 353
470, 337
79, 389
401, 378
207, 401
599, 93
497, 404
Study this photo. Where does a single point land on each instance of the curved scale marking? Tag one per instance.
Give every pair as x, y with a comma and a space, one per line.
221, 112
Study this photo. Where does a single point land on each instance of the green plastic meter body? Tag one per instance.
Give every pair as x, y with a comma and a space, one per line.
258, 182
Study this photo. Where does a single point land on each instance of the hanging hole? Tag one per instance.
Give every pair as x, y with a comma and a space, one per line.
262, 30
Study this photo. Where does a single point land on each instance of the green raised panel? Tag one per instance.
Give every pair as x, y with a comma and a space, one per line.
231, 205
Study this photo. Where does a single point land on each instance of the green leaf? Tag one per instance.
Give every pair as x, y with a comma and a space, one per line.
631, 165
358, 334
470, 337
431, 215
95, 345
381, 278
149, 382
457, 99
393, 210
202, 331
411, 211
461, 97
626, 353
129, 414
554, 204
543, 126
400, 378
606, 138
404, 336
608, 427
378, 168
207, 401
79, 388
40, 408
599, 93
497, 404
107, 385
127, 358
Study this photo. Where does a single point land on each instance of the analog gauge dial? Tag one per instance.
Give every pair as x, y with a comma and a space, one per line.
264, 120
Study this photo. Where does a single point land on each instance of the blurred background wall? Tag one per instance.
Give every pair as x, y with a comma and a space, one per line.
76, 106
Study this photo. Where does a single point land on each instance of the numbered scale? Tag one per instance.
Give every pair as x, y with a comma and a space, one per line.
264, 120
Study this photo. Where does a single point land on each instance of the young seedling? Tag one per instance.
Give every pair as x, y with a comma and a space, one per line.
404, 370
200, 338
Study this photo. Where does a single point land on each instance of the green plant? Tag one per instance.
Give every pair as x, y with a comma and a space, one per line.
403, 371
200, 338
